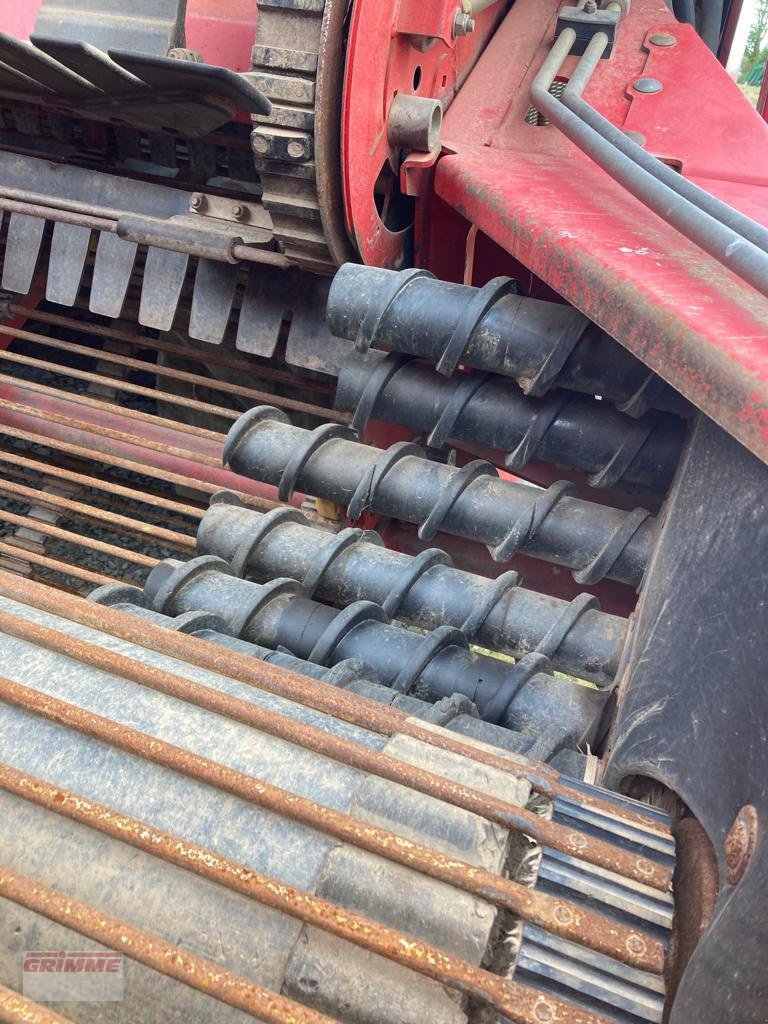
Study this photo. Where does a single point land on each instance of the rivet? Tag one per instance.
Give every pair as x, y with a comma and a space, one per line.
662, 39
635, 944
544, 1012
648, 85
740, 844
563, 914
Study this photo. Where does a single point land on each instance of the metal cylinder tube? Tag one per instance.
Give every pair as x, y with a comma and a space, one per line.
414, 123
523, 697
575, 431
542, 345
596, 541
426, 590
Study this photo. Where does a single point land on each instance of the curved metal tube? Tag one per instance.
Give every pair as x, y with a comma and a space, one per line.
705, 201
740, 256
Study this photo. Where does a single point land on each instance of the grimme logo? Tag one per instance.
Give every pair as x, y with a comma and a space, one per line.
94, 975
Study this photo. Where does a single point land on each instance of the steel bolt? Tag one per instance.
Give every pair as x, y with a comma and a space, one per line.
740, 844
662, 39
238, 211
196, 202
463, 24
259, 143
590, 7
296, 150
648, 85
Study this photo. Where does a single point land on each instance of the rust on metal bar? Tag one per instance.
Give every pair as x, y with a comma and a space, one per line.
61, 215
174, 962
96, 428
16, 1009
76, 219
344, 751
77, 508
330, 917
78, 539
77, 572
99, 403
97, 484
183, 376
80, 452
352, 708
556, 915
120, 385
213, 358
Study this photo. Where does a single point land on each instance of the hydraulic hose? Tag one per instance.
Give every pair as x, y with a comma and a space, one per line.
735, 252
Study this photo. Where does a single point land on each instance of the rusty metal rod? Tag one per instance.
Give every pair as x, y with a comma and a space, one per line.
329, 917
16, 1009
509, 816
56, 565
174, 962
184, 376
352, 708
550, 913
122, 385
100, 515
212, 358
95, 428
94, 403
323, 914
142, 469
97, 484
77, 539
61, 215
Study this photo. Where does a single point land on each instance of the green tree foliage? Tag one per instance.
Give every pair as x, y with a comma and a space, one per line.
755, 52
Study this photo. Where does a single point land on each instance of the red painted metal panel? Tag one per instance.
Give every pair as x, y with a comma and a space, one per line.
547, 204
17, 17
223, 31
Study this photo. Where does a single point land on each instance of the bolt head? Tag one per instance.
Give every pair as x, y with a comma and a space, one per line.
238, 211
196, 202
259, 144
740, 844
662, 39
296, 150
463, 24
648, 85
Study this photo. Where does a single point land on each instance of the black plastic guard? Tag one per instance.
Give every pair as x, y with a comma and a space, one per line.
693, 710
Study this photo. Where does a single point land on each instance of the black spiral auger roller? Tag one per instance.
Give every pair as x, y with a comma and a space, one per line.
579, 432
542, 345
595, 541
424, 590
523, 696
